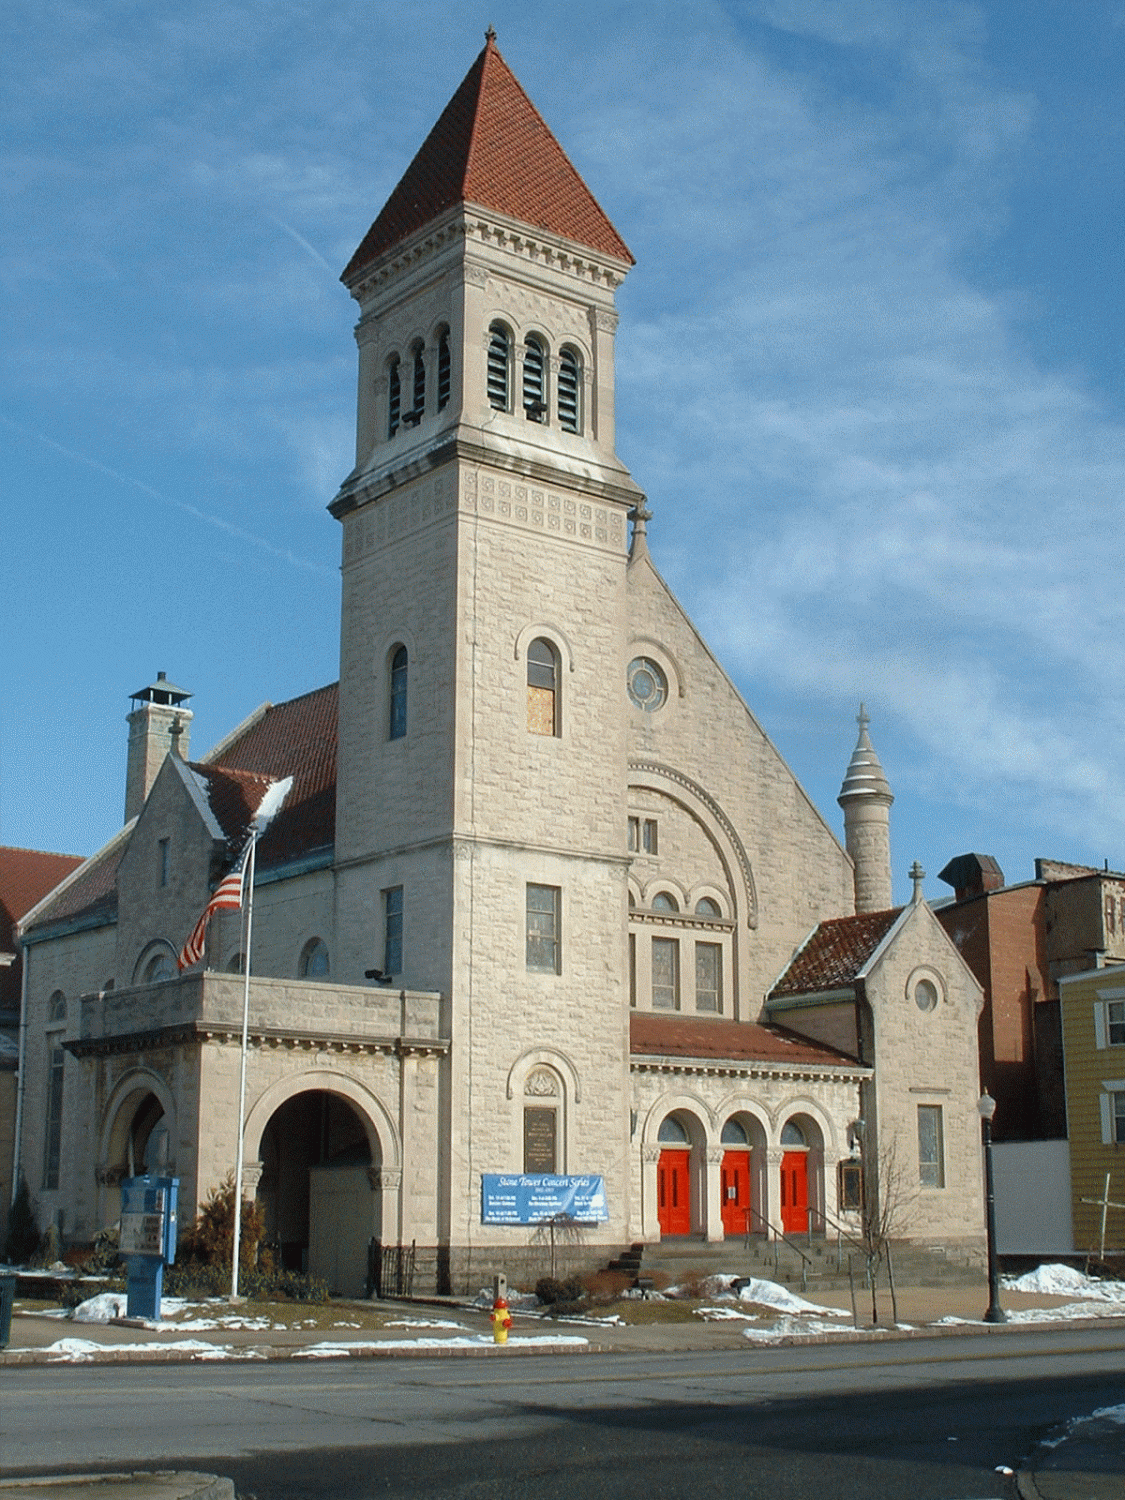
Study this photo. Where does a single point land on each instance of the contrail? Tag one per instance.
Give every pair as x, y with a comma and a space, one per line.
282, 553
304, 244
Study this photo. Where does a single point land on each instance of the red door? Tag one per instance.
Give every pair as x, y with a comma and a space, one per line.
795, 1192
735, 1177
673, 1211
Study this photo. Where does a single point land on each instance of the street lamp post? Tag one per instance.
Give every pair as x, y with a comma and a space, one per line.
994, 1313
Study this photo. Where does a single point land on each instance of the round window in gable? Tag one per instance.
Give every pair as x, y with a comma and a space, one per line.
648, 686
926, 995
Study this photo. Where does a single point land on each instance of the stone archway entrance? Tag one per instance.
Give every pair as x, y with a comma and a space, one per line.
318, 1192
138, 1138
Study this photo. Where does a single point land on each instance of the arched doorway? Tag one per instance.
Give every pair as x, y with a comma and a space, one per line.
740, 1176
319, 1203
673, 1178
802, 1175
138, 1136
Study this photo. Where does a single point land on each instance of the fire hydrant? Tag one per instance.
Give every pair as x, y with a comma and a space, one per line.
501, 1321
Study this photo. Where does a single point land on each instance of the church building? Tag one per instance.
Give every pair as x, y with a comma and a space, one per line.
544, 910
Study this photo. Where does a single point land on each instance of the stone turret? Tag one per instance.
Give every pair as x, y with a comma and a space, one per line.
158, 723
866, 798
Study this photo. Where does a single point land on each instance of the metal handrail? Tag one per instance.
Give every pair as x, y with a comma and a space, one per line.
779, 1234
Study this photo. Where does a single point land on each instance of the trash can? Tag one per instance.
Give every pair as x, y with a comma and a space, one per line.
7, 1297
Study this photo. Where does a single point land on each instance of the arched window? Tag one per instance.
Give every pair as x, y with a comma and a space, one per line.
394, 396
534, 379
235, 965
793, 1135
399, 665
499, 345
56, 1007
542, 688
314, 959
418, 406
662, 901
156, 965
734, 1134
444, 370
705, 907
672, 1133
570, 379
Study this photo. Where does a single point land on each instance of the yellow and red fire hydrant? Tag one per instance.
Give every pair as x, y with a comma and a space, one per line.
501, 1321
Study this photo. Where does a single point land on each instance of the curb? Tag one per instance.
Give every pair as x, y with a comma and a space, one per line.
158, 1484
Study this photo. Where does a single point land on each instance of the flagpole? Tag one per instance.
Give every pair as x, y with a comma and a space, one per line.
249, 879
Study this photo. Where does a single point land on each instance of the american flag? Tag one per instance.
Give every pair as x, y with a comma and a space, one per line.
227, 897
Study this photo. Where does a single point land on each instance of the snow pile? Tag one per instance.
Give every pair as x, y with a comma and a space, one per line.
770, 1294
101, 1308
787, 1327
1064, 1281
514, 1299
1111, 1414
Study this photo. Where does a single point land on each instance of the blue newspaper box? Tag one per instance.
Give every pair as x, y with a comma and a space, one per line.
148, 1239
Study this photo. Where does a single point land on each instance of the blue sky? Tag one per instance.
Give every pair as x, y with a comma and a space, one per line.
869, 370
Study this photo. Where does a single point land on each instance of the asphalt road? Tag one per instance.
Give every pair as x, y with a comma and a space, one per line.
926, 1419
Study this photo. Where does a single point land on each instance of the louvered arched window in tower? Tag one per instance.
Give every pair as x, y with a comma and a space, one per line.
570, 384
418, 404
534, 379
394, 396
444, 370
499, 354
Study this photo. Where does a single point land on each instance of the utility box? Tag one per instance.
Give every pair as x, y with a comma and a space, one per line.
148, 1240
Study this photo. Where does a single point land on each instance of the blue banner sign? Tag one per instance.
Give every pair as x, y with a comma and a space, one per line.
538, 1198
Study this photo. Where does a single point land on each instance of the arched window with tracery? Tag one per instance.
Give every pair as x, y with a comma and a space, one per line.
542, 687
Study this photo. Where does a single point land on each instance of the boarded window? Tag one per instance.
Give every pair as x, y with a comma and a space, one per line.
542, 688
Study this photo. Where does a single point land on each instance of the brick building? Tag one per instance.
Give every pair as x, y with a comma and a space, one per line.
539, 867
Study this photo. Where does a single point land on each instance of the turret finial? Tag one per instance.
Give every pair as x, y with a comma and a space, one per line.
490, 34
640, 516
917, 875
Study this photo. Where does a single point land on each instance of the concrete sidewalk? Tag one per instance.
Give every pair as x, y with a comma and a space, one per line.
1089, 1464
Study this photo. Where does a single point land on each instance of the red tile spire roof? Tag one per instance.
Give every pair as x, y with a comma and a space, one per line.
834, 955
492, 147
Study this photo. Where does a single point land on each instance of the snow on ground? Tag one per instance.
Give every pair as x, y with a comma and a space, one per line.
418, 1323
1064, 1281
331, 1350
1111, 1414
77, 1351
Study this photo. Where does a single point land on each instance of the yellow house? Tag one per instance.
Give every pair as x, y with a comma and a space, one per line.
1093, 1026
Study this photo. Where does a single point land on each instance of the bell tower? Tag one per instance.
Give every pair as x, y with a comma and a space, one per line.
482, 747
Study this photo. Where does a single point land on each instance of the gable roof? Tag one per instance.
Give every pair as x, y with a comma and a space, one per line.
26, 876
739, 1041
298, 739
835, 953
492, 147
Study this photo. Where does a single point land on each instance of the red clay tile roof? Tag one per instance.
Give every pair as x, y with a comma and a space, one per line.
26, 876
835, 953
297, 739
93, 892
491, 146
740, 1041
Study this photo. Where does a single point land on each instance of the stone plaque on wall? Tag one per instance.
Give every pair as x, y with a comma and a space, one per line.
539, 1139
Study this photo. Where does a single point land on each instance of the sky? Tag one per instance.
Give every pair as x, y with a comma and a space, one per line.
869, 371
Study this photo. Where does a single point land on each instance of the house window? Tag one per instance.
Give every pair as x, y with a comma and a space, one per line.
708, 977
543, 928
53, 1135
444, 370
569, 383
392, 930
394, 396
399, 664
534, 361
314, 959
542, 688
1112, 1102
642, 835
162, 848
1115, 1023
665, 974
498, 347
1118, 1102
931, 1146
